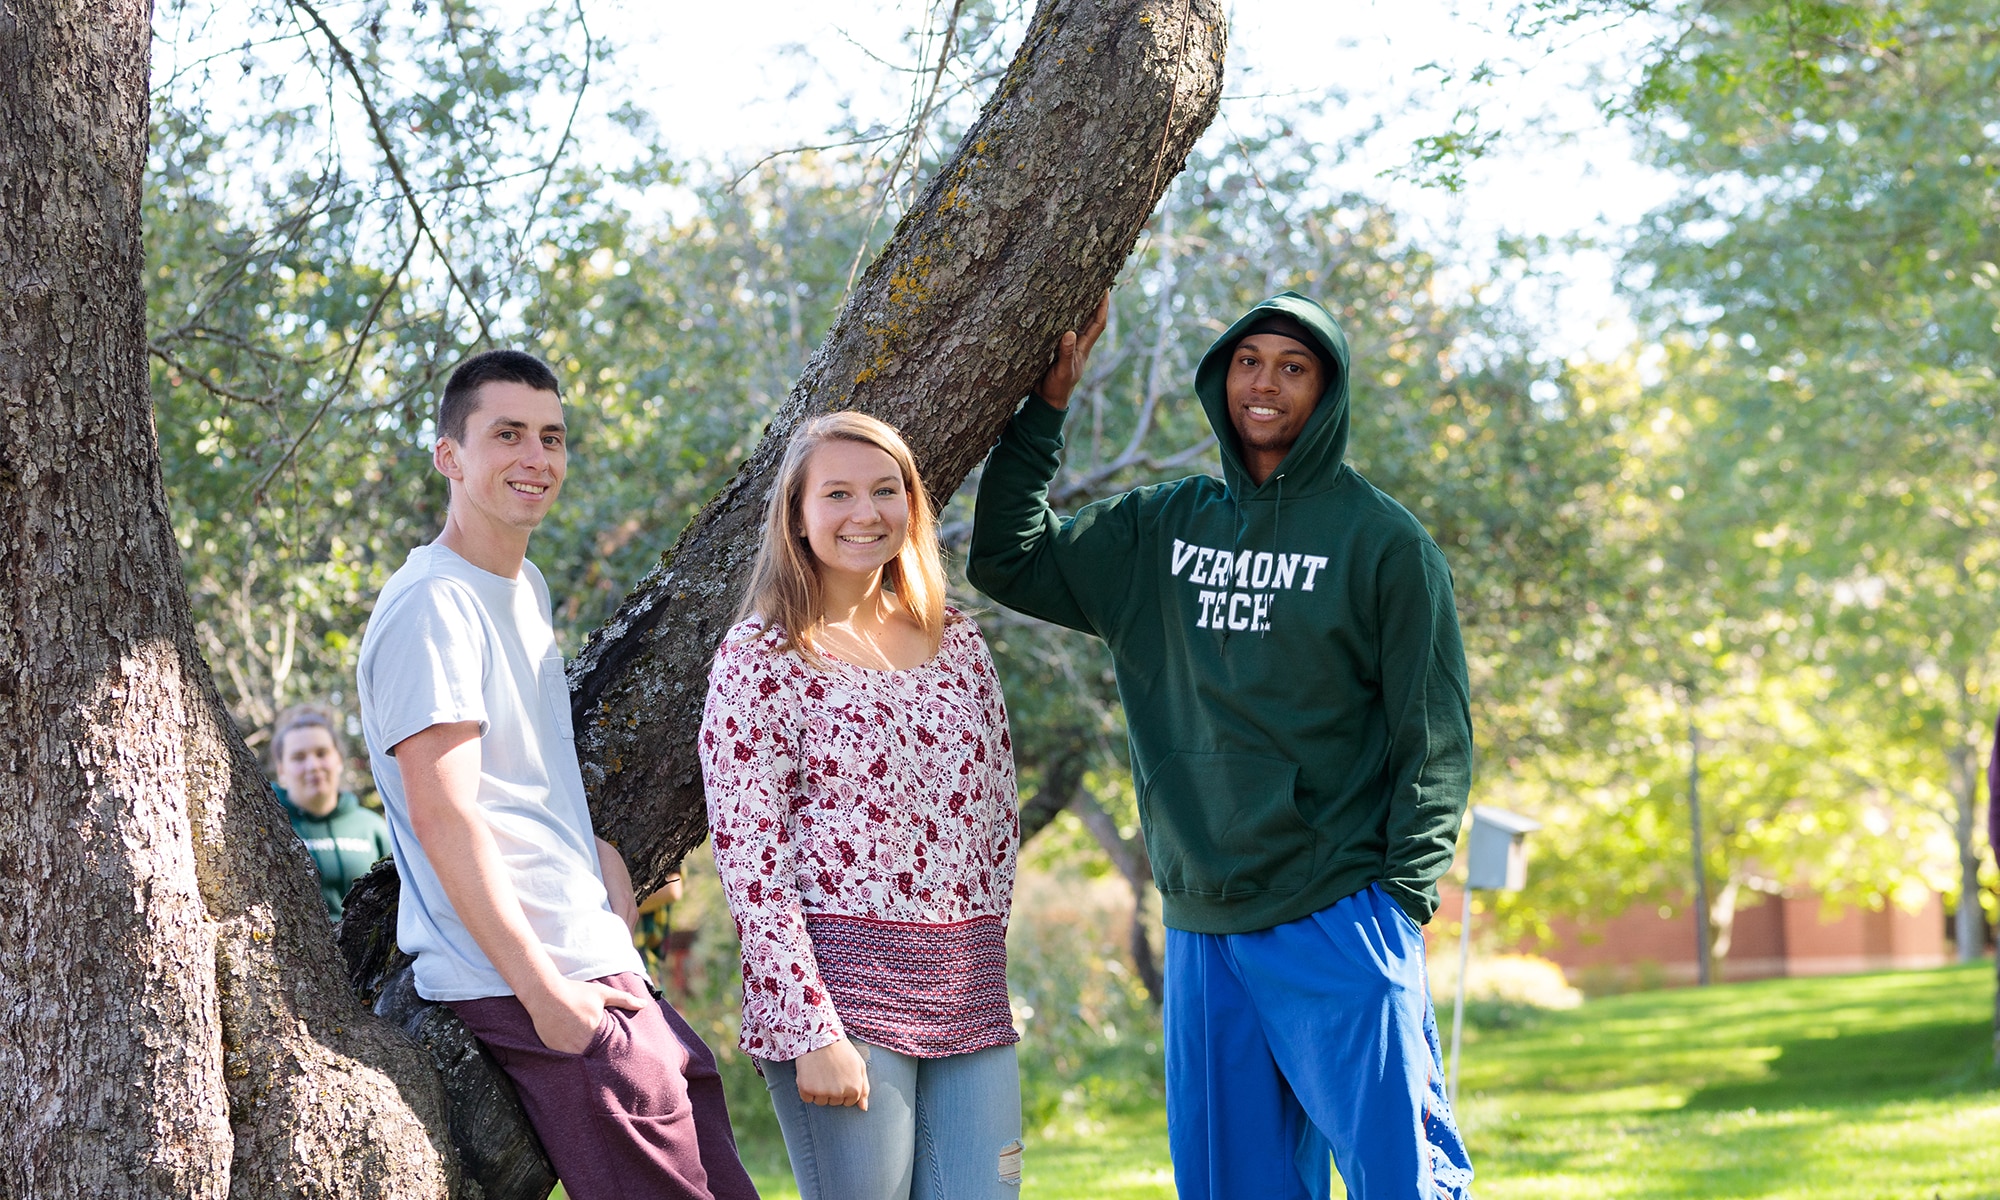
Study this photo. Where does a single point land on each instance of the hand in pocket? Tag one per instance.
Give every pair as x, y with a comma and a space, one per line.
567, 1015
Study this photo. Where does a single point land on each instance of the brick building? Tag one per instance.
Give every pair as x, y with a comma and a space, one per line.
1773, 937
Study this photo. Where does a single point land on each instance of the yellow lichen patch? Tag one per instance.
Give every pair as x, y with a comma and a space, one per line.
907, 287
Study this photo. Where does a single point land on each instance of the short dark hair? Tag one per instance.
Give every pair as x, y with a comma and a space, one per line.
305, 716
461, 391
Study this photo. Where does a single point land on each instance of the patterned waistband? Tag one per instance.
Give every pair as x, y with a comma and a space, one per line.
921, 990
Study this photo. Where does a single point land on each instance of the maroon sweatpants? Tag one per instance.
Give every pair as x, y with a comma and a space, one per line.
639, 1113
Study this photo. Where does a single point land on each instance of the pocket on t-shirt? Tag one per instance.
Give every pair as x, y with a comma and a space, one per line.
555, 693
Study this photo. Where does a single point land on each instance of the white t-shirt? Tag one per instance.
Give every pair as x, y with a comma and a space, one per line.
450, 642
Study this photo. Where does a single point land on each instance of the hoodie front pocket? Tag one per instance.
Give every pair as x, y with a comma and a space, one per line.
1227, 825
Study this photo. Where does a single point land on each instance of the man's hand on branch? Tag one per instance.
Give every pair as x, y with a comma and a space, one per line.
1071, 353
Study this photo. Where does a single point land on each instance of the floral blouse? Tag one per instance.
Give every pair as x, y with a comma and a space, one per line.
865, 828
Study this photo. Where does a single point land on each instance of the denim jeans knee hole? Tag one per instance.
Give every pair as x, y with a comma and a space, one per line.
1010, 1163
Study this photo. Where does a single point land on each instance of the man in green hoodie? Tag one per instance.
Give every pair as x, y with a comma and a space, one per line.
1288, 655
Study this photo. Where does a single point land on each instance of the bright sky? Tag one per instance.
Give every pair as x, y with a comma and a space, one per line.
738, 81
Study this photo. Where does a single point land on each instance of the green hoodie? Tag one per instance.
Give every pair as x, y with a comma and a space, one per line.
344, 844
1287, 653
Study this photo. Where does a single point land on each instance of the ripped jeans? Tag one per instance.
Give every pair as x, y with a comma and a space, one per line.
936, 1129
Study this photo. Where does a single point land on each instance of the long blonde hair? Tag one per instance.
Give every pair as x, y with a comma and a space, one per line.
785, 589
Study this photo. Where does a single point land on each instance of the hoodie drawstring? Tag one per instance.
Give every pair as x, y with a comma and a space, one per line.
1277, 527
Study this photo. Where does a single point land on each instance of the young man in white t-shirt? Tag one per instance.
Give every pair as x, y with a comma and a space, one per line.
519, 917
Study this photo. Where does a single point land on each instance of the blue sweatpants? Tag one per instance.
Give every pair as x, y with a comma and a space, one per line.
1311, 1039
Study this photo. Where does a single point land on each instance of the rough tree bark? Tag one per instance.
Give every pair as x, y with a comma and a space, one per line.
1011, 243
171, 1019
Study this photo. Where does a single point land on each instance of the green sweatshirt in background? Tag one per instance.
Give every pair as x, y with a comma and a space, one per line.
344, 844
1288, 656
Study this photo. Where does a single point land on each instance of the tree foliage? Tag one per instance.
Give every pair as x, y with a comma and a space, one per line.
1828, 279
1791, 555
677, 336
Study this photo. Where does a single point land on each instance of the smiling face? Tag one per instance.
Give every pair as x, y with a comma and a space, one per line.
854, 508
1273, 385
309, 769
508, 470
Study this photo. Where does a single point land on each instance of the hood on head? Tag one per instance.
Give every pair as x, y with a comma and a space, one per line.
1316, 457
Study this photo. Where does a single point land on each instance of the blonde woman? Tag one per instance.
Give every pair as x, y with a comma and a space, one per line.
861, 793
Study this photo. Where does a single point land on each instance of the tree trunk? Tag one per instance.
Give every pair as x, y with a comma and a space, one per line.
1722, 925
171, 1022
1970, 927
1062, 788
1012, 243
1135, 866
1059, 786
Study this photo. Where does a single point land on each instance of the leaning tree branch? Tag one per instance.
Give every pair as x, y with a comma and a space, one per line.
1011, 243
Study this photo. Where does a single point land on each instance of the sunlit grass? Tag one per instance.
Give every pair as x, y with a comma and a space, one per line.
1851, 1088
1871, 1087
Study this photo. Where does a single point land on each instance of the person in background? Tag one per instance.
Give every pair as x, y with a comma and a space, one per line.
309, 759
860, 786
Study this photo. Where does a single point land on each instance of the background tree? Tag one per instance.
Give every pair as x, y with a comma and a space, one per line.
1834, 254
1798, 555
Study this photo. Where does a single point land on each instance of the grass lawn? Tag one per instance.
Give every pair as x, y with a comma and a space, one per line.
1868, 1087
